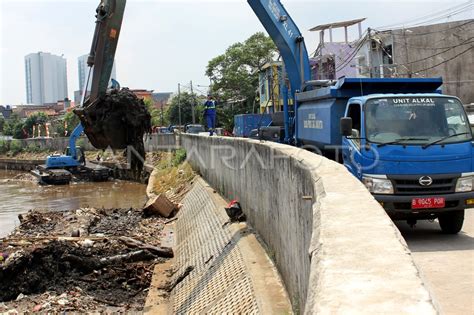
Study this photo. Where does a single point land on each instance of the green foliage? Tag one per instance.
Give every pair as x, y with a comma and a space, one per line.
235, 73
15, 147
81, 143
33, 148
4, 148
2, 123
179, 157
71, 120
14, 127
157, 117
39, 118
185, 101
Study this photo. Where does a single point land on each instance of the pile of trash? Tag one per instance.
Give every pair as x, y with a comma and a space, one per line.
84, 260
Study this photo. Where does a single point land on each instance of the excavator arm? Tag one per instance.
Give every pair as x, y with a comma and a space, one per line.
290, 42
288, 39
104, 45
113, 118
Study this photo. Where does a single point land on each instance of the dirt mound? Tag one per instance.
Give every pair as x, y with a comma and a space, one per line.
119, 121
109, 263
63, 266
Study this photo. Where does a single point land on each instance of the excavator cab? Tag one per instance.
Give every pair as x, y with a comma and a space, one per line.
80, 155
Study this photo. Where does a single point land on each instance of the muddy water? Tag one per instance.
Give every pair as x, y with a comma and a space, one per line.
18, 197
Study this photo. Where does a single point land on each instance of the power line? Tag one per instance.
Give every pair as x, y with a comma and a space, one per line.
437, 54
448, 15
434, 48
443, 62
426, 16
350, 58
426, 33
433, 16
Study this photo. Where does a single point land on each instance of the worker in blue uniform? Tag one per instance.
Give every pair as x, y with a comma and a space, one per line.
210, 114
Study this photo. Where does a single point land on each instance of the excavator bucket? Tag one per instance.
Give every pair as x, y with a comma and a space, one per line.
116, 120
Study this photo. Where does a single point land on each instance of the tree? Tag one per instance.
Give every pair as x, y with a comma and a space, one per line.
39, 118
2, 123
235, 73
68, 123
14, 127
157, 117
185, 101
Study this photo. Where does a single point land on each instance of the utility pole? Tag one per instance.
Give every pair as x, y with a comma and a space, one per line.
406, 53
179, 103
162, 120
193, 103
371, 53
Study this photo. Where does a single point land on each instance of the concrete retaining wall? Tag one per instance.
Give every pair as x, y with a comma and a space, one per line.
19, 165
336, 249
154, 142
161, 142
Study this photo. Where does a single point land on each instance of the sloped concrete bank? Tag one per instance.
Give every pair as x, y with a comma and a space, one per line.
334, 246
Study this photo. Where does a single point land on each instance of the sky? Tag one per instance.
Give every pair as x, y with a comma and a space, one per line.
166, 42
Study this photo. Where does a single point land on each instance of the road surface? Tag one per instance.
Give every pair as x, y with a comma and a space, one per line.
446, 263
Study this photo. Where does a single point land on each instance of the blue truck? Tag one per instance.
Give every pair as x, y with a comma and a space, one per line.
409, 144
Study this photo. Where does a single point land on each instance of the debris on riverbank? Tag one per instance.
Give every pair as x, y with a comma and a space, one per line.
172, 176
90, 260
83, 260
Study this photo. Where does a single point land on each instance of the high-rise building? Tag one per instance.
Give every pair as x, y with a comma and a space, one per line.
84, 71
46, 78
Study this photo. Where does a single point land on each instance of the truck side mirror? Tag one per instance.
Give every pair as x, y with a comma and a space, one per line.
346, 126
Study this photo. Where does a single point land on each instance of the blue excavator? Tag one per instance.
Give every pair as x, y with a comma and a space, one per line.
61, 168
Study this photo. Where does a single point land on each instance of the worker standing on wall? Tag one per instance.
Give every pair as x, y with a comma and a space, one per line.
210, 114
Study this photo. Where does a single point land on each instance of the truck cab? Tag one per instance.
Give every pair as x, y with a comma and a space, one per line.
414, 153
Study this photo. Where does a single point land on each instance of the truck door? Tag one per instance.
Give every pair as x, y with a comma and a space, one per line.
351, 150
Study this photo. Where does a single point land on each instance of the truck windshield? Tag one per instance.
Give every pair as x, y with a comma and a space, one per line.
416, 120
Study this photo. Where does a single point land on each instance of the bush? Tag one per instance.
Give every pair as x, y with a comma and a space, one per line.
4, 147
15, 147
33, 148
179, 157
81, 143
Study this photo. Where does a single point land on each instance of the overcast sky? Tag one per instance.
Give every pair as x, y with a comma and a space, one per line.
164, 43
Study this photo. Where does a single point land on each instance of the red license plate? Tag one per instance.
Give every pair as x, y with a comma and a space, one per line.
428, 203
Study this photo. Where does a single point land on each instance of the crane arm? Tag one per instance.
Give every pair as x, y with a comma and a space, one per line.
72, 140
104, 45
287, 37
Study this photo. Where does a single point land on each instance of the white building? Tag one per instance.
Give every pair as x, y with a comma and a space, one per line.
84, 71
46, 78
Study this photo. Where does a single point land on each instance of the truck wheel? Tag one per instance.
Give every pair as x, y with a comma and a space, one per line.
451, 222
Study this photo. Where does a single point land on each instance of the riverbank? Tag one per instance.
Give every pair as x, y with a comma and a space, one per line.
20, 192
81, 260
89, 259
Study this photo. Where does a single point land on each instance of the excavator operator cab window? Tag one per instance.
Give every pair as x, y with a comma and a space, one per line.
81, 158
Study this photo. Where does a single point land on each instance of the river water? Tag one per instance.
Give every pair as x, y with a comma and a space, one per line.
18, 197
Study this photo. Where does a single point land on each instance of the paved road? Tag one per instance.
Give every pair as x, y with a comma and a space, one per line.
446, 263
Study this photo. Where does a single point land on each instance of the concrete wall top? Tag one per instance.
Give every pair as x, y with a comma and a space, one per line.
336, 249
153, 142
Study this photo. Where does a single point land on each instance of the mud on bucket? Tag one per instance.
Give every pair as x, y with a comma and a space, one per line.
117, 120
